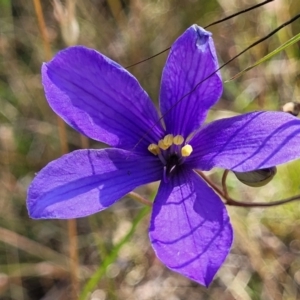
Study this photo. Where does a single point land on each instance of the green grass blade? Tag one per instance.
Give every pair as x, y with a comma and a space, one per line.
111, 257
290, 42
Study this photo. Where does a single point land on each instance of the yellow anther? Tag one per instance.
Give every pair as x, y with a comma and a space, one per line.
168, 140
186, 150
178, 140
162, 145
154, 149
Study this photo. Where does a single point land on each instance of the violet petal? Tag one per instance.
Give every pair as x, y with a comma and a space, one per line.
190, 229
84, 182
247, 142
100, 99
191, 60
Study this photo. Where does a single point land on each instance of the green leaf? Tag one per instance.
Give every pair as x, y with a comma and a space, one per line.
290, 42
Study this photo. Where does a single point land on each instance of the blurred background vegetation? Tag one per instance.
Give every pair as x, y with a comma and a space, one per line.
112, 257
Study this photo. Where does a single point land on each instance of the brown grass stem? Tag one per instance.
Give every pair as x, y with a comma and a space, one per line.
42, 28
139, 198
23, 243
72, 226
224, 186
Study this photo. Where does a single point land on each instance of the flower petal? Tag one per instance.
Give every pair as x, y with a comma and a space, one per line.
84, 182
192, 60
100, 99
248, 142
190, 229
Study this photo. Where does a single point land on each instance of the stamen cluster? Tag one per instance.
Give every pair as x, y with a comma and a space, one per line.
171, 151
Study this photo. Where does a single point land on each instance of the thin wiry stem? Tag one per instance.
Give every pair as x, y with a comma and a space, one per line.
233, 202
211, 24
210, 183
72, 226
239, 13
229, 201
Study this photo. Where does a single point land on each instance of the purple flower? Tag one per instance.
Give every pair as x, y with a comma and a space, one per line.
190, 229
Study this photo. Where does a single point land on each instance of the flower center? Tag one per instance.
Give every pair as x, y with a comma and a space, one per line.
172, 152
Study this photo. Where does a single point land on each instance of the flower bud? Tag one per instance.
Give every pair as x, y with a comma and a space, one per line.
292, 108
256, 178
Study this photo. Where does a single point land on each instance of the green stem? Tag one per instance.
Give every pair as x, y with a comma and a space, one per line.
96, 277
